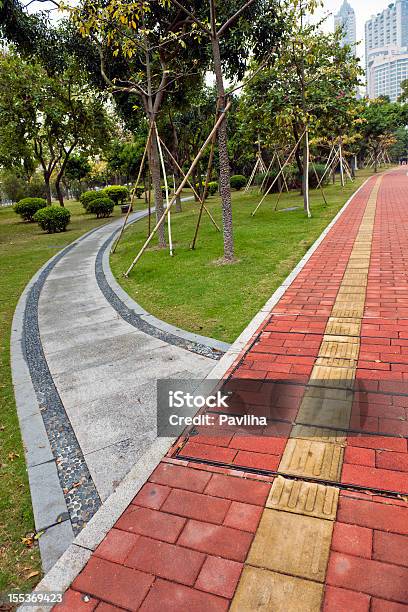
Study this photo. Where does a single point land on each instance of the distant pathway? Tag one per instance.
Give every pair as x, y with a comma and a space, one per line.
311, 512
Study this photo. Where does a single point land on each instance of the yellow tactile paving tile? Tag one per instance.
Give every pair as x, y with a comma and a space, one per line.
312, 459
325, 412
343, 326
339, 350
319, 434
266, 591
293, 544
299, 497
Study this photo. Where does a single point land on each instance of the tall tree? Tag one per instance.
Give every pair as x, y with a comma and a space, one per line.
307, 90
236, 31
47, 117
143, 53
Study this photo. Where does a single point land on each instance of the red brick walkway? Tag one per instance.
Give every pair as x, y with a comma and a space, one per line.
342, 545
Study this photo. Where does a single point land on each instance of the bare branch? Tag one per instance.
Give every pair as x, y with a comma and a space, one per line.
232, 19
200, 24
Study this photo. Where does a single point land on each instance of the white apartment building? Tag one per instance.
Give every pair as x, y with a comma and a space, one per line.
386, 45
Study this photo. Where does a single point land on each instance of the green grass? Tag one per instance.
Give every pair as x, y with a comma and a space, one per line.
23, 250
193, 291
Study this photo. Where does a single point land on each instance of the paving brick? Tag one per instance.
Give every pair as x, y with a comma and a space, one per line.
74, 600
243, 516
151, 496
379, 442
170, 597
258, 461
166, 560
392, 461
197, 506
209, 452
180, 477
379, 605
219, 576
342, 600
372, 577
259, 444
152, 523
238, 489
216, 540
381, 516
113, 583
391, 548
116, 545
105, 607
359, 456
353, 540
375, 478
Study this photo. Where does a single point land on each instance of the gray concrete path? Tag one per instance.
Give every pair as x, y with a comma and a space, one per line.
104, 369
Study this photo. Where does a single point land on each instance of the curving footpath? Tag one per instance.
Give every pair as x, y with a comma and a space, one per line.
309, 512
85, 365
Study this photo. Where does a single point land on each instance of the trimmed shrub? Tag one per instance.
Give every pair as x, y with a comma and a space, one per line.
238, 182
212, 188
117, 193
140, 191
27, 207
101, 207
53, 219
89, 196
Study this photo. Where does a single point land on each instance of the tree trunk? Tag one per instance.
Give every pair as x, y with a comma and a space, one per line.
225, 172
47, 178
154, 163
58, 189
305, 182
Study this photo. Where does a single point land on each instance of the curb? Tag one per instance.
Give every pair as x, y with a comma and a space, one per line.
135, 313
76, 556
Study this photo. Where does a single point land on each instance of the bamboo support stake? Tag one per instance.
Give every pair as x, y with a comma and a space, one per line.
166, 186
329, 167
283, 174
283, 167
180, 188
265, 178
191, 185
132, 198
318, 182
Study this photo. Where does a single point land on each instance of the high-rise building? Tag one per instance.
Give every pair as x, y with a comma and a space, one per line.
386, 46
346, 19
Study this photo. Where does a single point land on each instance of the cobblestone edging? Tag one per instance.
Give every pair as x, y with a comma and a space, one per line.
135, 315
80, 493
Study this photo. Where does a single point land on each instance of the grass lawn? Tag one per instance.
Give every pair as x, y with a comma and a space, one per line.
23, 249
193, 291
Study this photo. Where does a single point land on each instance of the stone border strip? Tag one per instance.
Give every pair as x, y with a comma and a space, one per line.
33, 386
137, 316
76, 556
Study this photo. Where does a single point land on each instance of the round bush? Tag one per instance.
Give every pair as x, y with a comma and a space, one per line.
238, 182
117, 193
101, 207
53, 219
212, 188
88, 196
140, 191
27, 207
